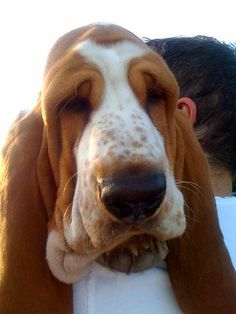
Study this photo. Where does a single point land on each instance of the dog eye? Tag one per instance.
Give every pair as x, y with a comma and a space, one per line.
76, 104
154, 96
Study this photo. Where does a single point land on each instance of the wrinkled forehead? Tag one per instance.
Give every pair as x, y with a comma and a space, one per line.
112, 60
100, 33
111, 52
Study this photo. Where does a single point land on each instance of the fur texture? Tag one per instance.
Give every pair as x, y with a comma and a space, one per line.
107, 106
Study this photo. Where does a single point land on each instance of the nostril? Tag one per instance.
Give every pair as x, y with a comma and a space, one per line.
122, 210
133, 198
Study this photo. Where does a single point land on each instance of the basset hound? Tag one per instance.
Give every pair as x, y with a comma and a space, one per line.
106, 169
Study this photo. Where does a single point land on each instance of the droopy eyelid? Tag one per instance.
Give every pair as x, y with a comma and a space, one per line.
75, 104
154, 96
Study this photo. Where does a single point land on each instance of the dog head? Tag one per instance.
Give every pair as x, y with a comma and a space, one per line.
96, 163
108, 104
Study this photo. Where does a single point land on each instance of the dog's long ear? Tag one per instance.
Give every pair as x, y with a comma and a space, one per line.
26, 284
199, 266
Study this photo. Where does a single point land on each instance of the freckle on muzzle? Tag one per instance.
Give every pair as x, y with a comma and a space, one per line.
132, 198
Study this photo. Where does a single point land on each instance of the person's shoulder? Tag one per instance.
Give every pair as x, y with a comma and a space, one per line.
225, 202
226, 209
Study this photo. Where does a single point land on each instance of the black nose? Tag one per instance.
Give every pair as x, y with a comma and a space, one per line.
133, 198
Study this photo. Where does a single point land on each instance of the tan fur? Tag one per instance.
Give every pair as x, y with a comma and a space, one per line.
199, 266
26, 284
38, 182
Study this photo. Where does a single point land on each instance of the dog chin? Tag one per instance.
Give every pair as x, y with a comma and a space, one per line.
65, 264
136, 254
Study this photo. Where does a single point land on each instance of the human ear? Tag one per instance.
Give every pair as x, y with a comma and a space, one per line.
187, 105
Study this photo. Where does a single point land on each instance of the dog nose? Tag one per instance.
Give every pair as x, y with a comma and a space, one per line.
133, 198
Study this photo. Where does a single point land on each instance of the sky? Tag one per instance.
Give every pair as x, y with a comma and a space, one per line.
29, 28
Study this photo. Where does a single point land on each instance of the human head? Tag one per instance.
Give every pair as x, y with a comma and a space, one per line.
206, 72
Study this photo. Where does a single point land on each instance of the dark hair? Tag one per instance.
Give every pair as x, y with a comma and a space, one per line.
206, 72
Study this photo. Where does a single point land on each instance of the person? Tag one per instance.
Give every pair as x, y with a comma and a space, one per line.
206, 72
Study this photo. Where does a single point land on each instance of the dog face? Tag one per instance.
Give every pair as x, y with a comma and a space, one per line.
116, 162
89, 173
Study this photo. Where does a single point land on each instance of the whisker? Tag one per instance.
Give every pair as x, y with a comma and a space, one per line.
66, 211
190, 190
58, 103
188, 216
65, 105
192, 187
194, 184
67, 208
75, 174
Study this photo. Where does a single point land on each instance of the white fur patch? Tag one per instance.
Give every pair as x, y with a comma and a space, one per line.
119, 131
121, 128
66, 265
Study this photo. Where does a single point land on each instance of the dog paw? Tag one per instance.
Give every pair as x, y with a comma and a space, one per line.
136, 254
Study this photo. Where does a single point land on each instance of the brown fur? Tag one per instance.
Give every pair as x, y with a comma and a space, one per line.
26, 284
199, 266
37, 162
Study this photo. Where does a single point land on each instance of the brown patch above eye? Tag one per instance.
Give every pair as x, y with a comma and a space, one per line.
84, 89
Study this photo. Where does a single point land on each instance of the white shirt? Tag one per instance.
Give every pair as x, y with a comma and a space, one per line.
104, 291
226, 208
